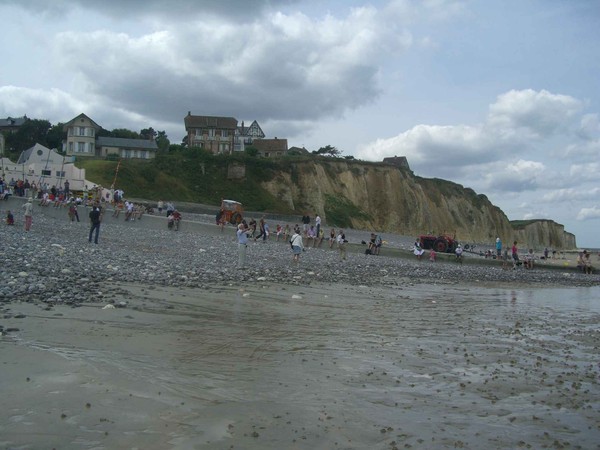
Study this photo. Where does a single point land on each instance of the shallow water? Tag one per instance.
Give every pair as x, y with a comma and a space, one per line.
322, 367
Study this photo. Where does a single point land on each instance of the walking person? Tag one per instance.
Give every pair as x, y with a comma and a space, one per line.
297, 245
28, 214
95, 218
263, 230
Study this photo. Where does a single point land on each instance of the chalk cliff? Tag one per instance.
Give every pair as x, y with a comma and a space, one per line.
385, 197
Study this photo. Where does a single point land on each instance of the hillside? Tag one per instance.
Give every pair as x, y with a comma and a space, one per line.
345, 193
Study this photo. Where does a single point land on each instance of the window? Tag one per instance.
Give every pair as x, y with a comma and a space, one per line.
143, 154
90, 147
224, 133
70, 147
81, 147
91, 132
198, 131
81, 131
126, 153
46, 173
135, 153
60, 174
211, 133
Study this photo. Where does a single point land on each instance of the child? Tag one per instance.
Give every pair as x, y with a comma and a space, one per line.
10, 220
432, 255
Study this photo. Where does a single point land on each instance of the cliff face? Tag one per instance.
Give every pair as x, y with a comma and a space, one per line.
387, 198
544, 233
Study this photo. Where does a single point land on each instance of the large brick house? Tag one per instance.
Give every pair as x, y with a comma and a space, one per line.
222, 135
215, 134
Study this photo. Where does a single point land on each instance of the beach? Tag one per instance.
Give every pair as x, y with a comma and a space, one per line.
154, 339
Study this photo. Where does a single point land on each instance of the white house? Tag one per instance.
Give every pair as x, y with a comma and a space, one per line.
40, 164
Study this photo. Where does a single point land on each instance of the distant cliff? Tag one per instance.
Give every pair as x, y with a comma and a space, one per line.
390, 198
543, 233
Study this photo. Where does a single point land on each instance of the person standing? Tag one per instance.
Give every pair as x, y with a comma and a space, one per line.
341, 242
242, 239
459, 253
317, 225
28, 214
417, 249
331, 237
95, 219
297, 245
515, 254
498, 248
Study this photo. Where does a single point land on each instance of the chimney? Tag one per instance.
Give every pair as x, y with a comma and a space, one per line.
189, 113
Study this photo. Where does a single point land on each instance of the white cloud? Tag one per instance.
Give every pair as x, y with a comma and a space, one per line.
516, 123
589, 213
590, 126
539, 113
518, 176
585, 172
571, 194
306, 69
37, 103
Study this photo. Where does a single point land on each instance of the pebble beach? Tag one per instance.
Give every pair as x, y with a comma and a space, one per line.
155, 339
54, 262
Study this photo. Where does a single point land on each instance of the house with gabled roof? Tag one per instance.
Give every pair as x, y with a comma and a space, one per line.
245, 136
40, 164
269, 148
81, 136
213, 133
83, 141
12, 124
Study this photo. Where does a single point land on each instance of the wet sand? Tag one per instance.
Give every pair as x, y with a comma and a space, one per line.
325, 366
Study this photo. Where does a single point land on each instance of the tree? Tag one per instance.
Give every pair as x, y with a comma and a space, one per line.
148, 133
125, 133
328, 150
162, 141
56, 136
251, 151
33, 131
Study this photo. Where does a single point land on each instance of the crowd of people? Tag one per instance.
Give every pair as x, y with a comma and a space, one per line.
310, 234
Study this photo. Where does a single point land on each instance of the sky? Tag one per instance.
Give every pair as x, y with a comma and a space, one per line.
501, 97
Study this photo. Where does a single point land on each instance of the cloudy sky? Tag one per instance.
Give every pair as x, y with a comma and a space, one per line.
502, 97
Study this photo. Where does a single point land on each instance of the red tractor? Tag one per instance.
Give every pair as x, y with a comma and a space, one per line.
443, 243
230, 212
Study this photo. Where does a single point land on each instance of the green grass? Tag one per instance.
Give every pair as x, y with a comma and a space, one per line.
340, 211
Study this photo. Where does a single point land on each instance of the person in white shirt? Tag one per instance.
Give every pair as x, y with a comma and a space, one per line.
459, 252
297, 245
341, 242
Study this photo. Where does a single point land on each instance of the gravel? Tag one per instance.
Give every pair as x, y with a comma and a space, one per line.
54, 263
